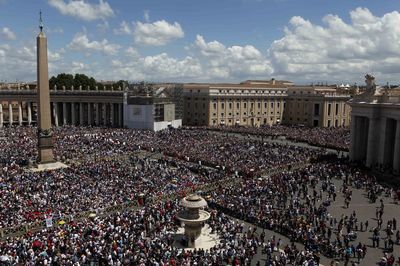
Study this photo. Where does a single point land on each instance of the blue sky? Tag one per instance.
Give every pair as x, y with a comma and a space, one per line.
205, 41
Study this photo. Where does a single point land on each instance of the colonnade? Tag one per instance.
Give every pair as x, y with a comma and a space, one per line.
375, 141
64, 113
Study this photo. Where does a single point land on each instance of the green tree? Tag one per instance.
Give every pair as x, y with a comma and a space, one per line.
61, 80
120, 84
100, 86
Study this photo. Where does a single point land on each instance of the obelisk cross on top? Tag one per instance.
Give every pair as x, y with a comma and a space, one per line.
45, 143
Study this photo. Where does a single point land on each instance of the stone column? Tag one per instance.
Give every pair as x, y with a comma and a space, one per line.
90, 115
20, 113
373, 141
353, 133
55, 113
97, 119
112, 114
81, 122
10, 114
29, 105
1, 115
65, 112
120, 121
104, 105
381, 148
396, 157
73, 115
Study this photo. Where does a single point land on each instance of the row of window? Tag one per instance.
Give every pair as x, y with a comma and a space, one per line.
237, 114
278, 104
214, 121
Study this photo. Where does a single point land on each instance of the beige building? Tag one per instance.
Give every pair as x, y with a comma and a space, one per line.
250, 103
257, 103
375, 127
316, 106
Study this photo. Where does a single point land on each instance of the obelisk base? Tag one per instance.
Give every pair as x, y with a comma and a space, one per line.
48, 166
45, 156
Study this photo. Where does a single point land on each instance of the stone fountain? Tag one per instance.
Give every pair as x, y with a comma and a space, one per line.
193, 217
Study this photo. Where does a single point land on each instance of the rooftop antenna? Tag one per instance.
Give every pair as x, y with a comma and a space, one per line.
40, 21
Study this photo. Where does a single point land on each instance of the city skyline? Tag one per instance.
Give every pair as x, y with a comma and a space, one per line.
228, 41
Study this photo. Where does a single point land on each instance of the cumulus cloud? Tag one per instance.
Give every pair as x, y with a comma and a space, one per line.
337, 50
155, 67
7, 34
81, 9
333, 50
132, 52
124, 29
157, 33
232, 62
81, 42
79, 67
20, 62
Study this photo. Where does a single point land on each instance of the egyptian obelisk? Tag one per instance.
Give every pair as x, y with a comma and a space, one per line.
45, 144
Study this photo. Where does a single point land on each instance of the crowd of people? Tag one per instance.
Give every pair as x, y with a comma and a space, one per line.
296, 204
109, 167
92, 185
77, 143
143, 237
327, 137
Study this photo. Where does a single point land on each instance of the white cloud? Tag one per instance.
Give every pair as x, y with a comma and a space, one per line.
81, 42
146, 15
20, 62
79, 67
7, 34
81, 9
103, 27
157, 33
233, 62
160, 67
124, 28
167, 67
333, 50
132, 52
338, 50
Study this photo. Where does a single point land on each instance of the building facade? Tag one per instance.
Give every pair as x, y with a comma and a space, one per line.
316, 106
257, 103
250, 103
18, 106
375, 127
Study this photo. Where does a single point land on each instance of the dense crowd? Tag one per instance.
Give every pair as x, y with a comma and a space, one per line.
108, 167
327, 137
103, 171
92, 185
144, 237
232, 154
296, 204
